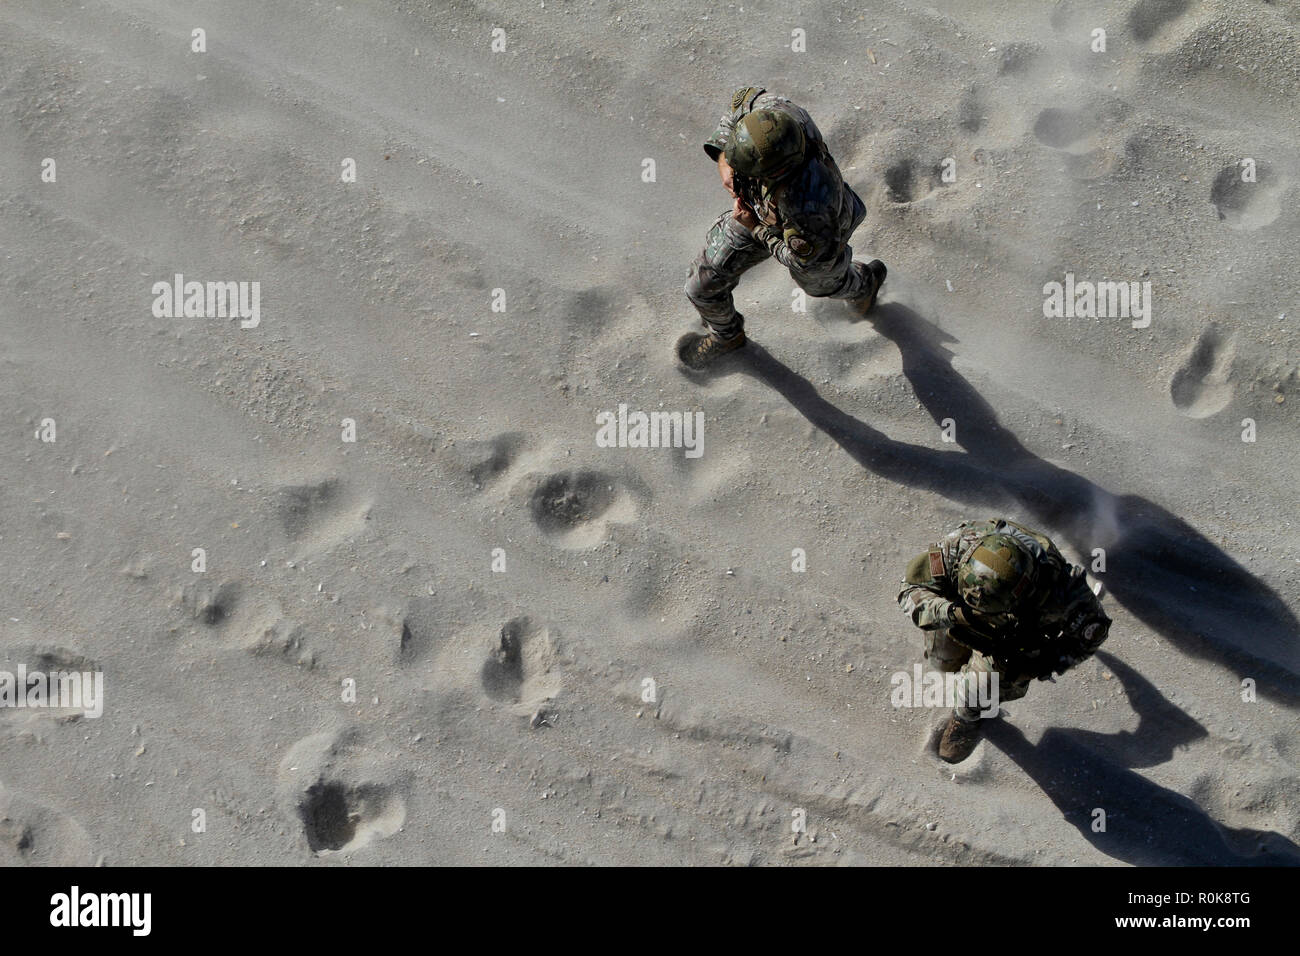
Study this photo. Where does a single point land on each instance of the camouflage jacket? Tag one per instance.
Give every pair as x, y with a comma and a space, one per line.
806, 219
1056, 624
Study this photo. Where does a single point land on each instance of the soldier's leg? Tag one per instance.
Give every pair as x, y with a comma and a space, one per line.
977, 696
729, 250
859, 211
839, 278
943, 652
977, 693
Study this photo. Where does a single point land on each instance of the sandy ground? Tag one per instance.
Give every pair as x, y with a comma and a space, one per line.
329, 562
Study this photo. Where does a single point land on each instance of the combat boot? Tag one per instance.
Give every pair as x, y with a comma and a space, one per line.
959, 739
878, 272
699, 351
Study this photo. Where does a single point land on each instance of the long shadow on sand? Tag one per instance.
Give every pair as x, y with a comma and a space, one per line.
1158, 566
1146, 824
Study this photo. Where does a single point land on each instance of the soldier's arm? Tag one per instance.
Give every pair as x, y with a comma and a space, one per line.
1085, 625
778, 243
805, 235
923, 597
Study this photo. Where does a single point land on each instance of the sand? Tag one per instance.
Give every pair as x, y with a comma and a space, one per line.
473, 635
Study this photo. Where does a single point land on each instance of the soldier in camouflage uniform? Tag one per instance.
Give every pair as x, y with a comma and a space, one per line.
790, 204
995, 597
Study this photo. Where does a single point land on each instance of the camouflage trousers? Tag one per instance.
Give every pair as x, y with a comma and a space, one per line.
730, 250
953, 657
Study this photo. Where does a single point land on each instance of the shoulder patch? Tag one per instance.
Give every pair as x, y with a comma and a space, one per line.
742, 94
936, 564
799, 246
918, 571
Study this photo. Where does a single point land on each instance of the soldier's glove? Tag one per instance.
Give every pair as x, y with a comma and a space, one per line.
988, 624
996, 623
961, 618
969, 629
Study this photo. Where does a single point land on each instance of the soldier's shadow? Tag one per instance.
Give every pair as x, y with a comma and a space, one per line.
1159, 567
1144, 824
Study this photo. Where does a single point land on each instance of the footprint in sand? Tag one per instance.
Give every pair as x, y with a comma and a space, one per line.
970, 112
522, 668
1017, 58
303, 505
1086, 137
341, 795
338, 817
1247, 205
319, 515
1148, 17
492, 458
211, 605
1202, 385
237, 617
33, 834
421, 627
912, 179
1061, 128
573, 508
565, 501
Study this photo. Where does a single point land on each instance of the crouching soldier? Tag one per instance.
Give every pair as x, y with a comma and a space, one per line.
994, 597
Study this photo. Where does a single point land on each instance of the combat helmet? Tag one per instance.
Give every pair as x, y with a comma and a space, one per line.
996, 575
766, 144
